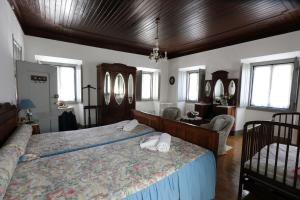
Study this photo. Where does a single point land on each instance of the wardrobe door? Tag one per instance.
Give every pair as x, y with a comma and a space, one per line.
122, 92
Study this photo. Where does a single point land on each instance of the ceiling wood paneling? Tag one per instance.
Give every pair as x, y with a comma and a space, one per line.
186, 26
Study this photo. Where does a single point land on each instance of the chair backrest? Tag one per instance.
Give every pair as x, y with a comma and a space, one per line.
227, 123
172, 113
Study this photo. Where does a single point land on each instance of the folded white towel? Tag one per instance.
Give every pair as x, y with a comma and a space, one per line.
150, 142
131, 125
164, 142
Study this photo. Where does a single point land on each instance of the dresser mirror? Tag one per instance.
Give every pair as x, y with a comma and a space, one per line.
231, 88
107, 88
219, 89
207, 89
119, 88
130, 89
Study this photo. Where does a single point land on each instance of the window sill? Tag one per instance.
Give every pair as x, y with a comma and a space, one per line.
268, 109
145, 100
72, 102
187, 101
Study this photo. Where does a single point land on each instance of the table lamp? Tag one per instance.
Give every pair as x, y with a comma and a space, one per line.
27, 104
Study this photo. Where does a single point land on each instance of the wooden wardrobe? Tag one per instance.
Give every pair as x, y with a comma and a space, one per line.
115, 92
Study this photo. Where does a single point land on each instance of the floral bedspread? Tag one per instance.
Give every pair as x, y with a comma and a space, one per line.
111, 171
44, 144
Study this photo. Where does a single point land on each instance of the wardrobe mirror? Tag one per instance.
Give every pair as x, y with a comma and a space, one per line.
207, 89
219, 89
107, 88
231, 88
130, 88
119, 88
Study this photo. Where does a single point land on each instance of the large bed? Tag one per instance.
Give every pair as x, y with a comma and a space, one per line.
112, 166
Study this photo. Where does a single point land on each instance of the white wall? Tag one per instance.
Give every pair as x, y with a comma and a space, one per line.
229, 59
91, 57
9, 26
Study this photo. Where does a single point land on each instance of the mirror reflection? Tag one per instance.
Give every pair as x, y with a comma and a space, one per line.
107, 88
130, 89
119, 88
231, 88
218, 90
207, 89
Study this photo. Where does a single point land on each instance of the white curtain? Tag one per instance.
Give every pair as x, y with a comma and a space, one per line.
182, 85
156, 85
245, 84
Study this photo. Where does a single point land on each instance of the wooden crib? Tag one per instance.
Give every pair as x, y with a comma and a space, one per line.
270, 157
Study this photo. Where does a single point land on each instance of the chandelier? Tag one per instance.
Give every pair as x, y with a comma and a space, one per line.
156, 55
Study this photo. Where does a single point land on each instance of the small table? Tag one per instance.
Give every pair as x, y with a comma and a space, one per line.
35, 128
195, 120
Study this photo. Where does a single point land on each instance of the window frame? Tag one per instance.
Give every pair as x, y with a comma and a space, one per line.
16, 45
294, 87
188, 85
75, 84
151, 87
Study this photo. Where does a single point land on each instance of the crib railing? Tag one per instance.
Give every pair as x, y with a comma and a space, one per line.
260, 135
287, 118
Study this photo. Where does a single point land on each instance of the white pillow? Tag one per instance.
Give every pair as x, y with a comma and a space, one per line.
219, 124
131, 125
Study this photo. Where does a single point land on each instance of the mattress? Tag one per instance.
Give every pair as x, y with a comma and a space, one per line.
59, 142
282, 149
119, 170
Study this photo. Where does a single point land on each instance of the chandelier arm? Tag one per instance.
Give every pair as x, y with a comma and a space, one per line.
156, 55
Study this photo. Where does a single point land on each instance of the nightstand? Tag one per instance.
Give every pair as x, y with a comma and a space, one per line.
35, 129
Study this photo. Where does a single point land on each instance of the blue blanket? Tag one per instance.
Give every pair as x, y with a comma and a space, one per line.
194, 181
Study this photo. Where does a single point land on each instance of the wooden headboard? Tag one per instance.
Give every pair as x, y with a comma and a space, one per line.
148, 119
188, 132
8, 121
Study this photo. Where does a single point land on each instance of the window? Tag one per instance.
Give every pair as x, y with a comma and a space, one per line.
147, 79
274, 85
17, 50
66, 83
17, 55
192, 86
147, 84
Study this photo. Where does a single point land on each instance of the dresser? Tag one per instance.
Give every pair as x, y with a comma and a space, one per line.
204, 109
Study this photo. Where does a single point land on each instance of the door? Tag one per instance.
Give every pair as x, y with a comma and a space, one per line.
39, 84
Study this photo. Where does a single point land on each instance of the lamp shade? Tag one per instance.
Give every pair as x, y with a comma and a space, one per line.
26, 104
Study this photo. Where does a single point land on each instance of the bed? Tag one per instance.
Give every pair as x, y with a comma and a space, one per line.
47, 144
118, 169
270, 158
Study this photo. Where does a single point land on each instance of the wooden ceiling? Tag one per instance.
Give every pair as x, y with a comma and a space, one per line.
186, 26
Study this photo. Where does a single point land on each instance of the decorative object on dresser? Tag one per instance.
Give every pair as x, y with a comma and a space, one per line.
115, 92
221, 94
192, 120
